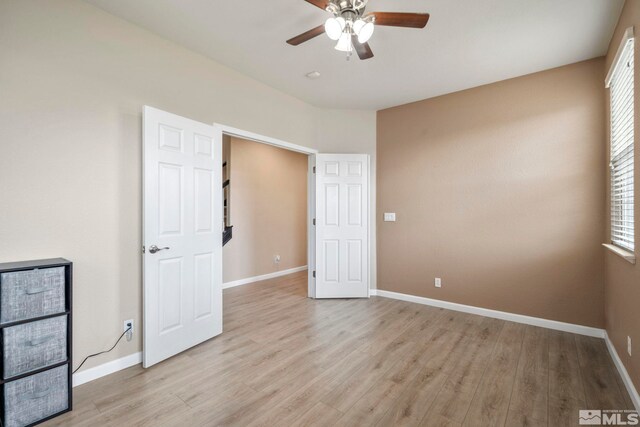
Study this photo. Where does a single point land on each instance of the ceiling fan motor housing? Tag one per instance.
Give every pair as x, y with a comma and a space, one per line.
340, 7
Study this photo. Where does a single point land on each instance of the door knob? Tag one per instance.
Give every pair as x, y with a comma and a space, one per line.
153, 249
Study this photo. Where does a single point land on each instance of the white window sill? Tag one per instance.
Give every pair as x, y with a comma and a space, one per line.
625, 254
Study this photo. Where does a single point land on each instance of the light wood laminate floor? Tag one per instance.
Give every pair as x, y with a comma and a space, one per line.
285, 360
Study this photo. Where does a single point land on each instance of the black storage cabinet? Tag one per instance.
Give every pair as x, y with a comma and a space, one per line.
35, 341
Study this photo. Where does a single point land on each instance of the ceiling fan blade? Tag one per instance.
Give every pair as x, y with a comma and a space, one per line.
396, 19
306, 36
322, 4
362, 49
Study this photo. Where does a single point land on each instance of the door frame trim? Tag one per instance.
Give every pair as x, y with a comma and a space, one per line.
222, 130
251, 136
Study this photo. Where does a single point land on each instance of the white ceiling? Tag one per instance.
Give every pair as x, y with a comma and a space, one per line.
466, 43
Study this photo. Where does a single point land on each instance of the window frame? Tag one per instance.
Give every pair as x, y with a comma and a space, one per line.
627, 39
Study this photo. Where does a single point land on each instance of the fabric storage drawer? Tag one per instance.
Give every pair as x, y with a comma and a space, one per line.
34, 345
33, 398
31, 293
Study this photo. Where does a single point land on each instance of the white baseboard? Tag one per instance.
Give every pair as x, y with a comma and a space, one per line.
628, 383
262, 277
105, 369
512, 317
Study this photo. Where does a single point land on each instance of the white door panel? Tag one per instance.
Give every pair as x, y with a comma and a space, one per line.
342, 225
182, 213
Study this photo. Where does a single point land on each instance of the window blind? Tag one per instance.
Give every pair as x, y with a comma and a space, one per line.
621, 89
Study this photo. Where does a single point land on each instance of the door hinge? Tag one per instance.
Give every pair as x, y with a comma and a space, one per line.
314, 274
314, 169
144, 249
314, 221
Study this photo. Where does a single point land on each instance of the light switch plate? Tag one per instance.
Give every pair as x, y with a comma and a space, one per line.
390, 216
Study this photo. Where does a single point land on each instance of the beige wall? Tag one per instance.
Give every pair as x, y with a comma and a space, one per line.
73, 80
622, 280
269, 203
500, 191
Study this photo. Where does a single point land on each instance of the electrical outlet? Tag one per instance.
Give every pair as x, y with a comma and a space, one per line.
438, 282
276, 259
629, 345
126, 325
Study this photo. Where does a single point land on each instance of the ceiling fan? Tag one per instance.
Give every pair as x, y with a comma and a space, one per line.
352, 28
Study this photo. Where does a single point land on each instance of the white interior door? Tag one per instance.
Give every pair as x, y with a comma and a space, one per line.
342, 226
182, 234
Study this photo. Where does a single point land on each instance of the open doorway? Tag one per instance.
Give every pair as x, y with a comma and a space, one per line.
265, 202
337, 218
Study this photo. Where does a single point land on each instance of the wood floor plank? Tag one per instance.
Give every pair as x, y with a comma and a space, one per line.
598, 375
625, 394
438, 421
563, 411
320, 415
308, 388
143, 411
530, 397
462, 322
294, 408
455, 397
235, 412
85, 414
371, 407
212, 392
440, 355
402, 319
346, 394
491, 400
287, 360
565, 380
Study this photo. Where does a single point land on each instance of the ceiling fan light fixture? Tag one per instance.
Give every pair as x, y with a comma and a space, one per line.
334, 27
357, 26
344, 43
365, 32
